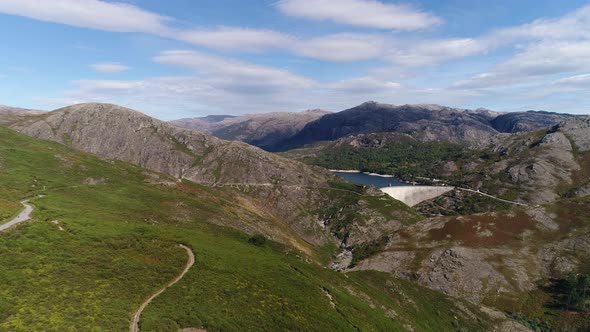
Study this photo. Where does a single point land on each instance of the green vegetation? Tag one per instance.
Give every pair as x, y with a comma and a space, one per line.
342, 210
365, 250
556, 305
398, 155
93, 253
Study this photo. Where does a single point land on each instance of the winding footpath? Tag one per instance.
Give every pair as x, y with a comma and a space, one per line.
134, 326
23, 216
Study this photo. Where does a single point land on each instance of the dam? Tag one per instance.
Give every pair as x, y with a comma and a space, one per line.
413, 195
405, 192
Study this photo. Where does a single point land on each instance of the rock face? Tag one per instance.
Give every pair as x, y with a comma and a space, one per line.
528, 121
579, 131
117, 133
263, 130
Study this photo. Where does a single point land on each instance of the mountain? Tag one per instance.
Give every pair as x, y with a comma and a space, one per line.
307, 200
527, 121
264, 130
114, 132
105, 236
424, 122
10, 114
285, 131
205, 124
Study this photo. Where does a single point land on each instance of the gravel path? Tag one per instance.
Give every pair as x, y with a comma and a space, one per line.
134, 326
23, 216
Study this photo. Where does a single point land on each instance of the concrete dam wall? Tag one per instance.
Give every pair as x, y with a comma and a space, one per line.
412, 195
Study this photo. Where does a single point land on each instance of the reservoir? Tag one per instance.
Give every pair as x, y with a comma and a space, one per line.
375, 180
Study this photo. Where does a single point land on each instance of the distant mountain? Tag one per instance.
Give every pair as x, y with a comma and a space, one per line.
424, 122
10, 114
526, 121
285, 131
264, 130
205, 124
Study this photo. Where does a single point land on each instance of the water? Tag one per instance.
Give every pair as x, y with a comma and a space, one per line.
377, 181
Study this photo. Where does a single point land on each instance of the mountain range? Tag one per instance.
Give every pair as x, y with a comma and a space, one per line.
486, 256
424, 122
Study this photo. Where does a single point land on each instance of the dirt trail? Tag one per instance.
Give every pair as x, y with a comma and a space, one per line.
134, 326
23, 216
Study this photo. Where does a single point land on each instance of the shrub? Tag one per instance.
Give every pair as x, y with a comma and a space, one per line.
258, 240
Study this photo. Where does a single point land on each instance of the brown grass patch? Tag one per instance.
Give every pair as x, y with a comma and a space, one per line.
485, 230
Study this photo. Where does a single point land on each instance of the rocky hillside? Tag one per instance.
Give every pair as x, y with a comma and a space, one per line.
298, 195
527, 121
537, 167
117, 133
264, 130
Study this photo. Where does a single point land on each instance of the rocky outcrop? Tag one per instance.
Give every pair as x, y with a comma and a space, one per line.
516, 122
578, 130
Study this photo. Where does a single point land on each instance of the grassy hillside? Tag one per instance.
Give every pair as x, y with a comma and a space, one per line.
105, 236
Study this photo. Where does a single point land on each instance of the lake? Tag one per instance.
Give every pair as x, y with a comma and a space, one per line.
375, 180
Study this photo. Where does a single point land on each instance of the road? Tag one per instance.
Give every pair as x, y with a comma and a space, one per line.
23, 216
134, 326
494, 197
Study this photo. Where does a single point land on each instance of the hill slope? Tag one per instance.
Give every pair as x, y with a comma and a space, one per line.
105, 235
10, 114
297, 195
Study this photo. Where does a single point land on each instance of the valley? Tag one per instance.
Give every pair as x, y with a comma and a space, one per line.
294, 165
105, 236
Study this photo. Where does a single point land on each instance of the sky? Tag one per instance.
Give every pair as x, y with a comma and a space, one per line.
188, 58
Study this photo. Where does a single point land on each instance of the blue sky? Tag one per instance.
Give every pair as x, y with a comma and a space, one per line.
181, 58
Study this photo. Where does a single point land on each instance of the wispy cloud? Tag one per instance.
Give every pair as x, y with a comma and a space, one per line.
109, 67
362, 13
235, 75
231, 38
94, 14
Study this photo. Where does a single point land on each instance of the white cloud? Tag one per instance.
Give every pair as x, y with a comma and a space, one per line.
575, 25
231, 38
236, 75
363, 85
94, 14
578, 81
533, 62
341, 47
109, 67
363, 13
429, 52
